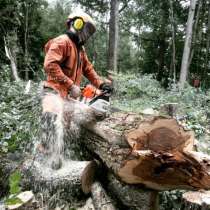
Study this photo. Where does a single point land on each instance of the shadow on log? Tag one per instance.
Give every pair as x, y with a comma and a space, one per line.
132, 196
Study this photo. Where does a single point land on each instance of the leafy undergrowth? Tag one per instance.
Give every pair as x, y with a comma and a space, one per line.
18, 119
14, 182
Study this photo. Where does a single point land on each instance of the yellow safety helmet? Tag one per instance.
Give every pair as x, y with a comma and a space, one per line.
83, 25
80, 18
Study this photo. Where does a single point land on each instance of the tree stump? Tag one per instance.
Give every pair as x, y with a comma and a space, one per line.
169, 109
199, 200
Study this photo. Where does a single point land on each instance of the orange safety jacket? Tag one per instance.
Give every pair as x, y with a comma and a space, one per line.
64, 67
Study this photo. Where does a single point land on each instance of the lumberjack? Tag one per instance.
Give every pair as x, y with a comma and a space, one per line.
65, 63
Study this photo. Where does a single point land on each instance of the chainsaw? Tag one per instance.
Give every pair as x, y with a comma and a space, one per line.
96, 99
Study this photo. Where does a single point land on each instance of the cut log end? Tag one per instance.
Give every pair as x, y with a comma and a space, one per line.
88, 176
160, 134
158, 157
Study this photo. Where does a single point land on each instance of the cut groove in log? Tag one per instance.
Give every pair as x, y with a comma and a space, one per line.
88, 176
199, 200
74, 177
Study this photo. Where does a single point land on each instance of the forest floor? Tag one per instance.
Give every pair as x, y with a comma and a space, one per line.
19, 110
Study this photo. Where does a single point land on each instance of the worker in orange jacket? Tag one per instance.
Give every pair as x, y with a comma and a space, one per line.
66, 60
65, 63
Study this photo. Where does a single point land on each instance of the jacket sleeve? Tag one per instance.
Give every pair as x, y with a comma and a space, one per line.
53, 59
90, 73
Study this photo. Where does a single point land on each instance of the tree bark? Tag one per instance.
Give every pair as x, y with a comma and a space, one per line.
196, 200
133, 197
162, 74
196, 36
101, 200
113, 35
187, 46
26, 55
173, 63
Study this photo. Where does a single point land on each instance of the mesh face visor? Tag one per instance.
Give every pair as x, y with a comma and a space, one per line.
88, 30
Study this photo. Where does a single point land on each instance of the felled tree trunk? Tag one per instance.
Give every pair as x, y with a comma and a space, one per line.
153, 151
73, 179
196, 200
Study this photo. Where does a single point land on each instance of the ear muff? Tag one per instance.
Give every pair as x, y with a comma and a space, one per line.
78, 24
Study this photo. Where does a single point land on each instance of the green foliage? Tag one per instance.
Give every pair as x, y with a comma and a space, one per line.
5, 73
19, 116
14, 188
14, 182
139, 92
13, 201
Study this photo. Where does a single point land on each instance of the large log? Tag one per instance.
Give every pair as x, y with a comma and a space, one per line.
154, 151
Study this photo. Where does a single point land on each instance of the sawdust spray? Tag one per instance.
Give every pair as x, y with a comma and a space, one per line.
62, 119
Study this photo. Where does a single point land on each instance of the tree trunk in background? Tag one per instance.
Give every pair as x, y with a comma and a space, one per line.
162, 45
11, 54
113, 35
26, 56
197, 33
207, 45
187, 46
173, 66
161, 57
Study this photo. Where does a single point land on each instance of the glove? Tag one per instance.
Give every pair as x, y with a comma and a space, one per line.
106, 87
74, 91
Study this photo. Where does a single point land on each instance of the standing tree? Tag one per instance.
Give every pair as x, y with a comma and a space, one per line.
207, 43
187, 46
113, 35
8, 27
173, 40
